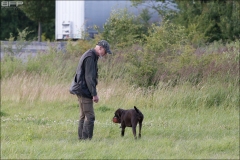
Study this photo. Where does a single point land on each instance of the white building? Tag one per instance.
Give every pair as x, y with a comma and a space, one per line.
75, 17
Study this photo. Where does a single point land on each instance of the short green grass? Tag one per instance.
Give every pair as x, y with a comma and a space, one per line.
45, 127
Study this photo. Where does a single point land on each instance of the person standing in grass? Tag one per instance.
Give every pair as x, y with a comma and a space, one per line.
84, 86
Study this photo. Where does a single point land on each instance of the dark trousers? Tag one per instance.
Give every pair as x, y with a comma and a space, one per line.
87, 118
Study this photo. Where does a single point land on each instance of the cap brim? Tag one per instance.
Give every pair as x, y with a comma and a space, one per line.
109, 52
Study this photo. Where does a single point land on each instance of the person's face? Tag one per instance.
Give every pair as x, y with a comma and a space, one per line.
102, 51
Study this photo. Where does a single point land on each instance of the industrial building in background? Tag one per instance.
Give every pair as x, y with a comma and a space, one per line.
74, 18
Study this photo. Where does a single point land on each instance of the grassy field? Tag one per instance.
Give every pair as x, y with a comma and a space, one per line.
39, 120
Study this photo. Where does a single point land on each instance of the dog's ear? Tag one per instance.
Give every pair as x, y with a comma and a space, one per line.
119, 112
136, 109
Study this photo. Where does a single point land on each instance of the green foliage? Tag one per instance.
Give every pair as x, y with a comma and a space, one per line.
49, 30
55, 64
103, 109
141, 63
167, 37
35, 64
214, 94
10, 65
13, 20
137, 65
112, 68
77, 48
162, 7
43, 37
216, 20
122, 29
39, 11
195, 37
20, 43
143, 20
199, 65
168, 55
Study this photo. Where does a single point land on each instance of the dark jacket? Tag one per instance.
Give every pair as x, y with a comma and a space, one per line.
86, 75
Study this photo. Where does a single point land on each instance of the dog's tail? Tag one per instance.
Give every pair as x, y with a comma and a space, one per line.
138, 112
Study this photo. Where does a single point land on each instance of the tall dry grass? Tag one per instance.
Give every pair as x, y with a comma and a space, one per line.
35, 88
31, 88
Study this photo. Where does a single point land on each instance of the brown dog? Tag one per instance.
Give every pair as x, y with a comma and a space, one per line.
129, 118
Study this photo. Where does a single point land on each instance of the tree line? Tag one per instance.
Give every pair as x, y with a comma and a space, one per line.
38, 16
211, 20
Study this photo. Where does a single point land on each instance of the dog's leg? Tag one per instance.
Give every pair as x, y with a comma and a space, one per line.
123, 130
140, 128
134, 131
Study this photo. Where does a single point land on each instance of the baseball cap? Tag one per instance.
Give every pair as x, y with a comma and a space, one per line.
105, 45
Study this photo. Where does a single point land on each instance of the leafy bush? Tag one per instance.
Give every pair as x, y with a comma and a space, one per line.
166, 38
141, 66
20, 43
122, 28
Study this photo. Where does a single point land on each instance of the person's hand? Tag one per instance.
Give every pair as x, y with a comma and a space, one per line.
95, 99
